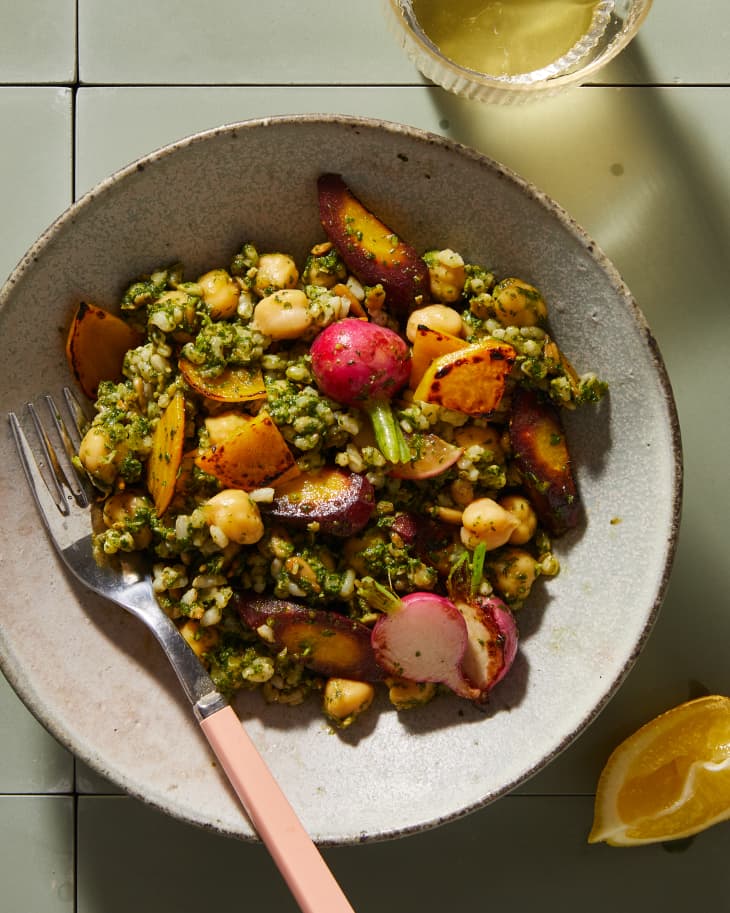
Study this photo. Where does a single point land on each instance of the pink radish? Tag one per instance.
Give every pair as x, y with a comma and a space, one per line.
508, 630
362, 364
492, 641
424, 639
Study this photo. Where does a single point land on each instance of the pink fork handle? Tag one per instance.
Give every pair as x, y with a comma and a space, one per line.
297, 858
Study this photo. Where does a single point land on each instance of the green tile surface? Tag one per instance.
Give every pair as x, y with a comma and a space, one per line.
35, 161
37, 41
347, 43
37, 854
89, 782
238, 43
117, 125
36, 187
680, 43
31, 761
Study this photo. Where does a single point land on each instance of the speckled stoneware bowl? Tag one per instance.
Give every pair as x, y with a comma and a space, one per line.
96, 679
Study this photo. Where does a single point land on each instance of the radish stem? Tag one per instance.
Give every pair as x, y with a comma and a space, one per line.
388, 433
477, 566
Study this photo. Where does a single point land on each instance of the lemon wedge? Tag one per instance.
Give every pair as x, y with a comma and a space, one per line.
668, 780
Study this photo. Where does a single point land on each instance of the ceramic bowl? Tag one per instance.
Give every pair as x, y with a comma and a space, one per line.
95, 678
612, 26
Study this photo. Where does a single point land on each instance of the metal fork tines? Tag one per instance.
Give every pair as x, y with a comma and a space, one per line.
61, 493
64, 496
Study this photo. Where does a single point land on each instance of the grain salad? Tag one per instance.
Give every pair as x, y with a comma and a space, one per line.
347, 473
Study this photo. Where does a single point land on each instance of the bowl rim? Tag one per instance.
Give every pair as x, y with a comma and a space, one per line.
22, 684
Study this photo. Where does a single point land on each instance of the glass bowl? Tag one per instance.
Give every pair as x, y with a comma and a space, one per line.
609, 27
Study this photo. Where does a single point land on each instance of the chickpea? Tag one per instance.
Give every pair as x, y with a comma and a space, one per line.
437, 317
513, 572
100, 458
519, 304
235, 515
178, 313
275, 272
462, 491
324, 267
321, 277
122, 509
283, 315
521, 508
220, 293
485, 521
404, 694
447, 275
222, 427
346, 699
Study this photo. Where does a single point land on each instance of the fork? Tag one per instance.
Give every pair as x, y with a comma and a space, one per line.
64, 497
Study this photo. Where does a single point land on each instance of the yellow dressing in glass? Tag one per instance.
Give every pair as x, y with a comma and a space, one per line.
504, 37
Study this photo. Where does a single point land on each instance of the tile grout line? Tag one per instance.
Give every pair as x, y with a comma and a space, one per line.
76, 83
74, 101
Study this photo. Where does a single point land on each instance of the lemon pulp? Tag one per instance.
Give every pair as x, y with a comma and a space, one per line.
505, 37
670, 779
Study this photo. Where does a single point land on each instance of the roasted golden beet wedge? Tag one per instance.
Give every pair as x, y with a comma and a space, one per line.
340, 502
371, 249
96, 344
427, 347
256, 455
327, 643
541, 454
234, 385
469, 379
166, 456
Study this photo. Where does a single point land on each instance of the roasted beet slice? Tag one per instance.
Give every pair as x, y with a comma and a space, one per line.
327, 643
371, 249
340, 502
541, 454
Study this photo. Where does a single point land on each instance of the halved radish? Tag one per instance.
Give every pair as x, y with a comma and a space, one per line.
508, 630
432, 456
424, 639
492, 641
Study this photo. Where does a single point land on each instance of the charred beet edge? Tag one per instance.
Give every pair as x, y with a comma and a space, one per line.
541, 454
340, 503
371, 249
328, 643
